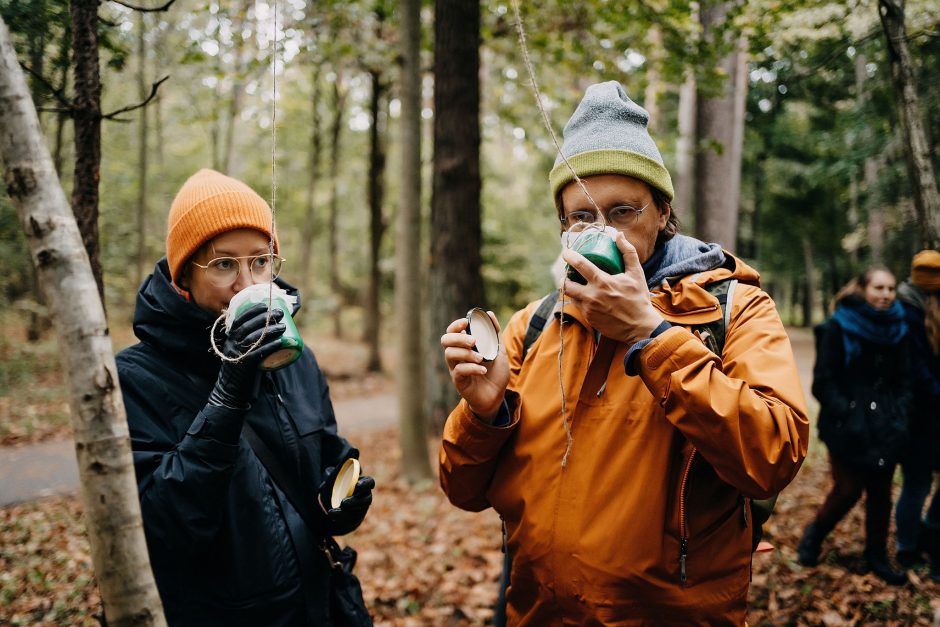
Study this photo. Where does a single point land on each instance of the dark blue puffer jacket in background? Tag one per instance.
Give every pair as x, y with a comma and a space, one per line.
226, 546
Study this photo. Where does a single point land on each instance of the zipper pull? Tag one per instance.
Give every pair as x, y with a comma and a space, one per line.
744, 510
601, 391
683, 554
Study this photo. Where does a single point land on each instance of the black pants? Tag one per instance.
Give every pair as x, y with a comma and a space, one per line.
849, 484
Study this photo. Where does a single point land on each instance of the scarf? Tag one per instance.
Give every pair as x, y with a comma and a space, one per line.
860, 321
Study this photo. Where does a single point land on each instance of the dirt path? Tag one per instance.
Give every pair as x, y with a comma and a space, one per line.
48, 468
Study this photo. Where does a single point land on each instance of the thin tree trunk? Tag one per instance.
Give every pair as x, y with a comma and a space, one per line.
238, 78
87, 122
61, 118
717, 178
309, 229
412, 420
142, 151
376, 223
455, 282
654, 81
916, 149
809, 293
336, 286
685, 149
102, 445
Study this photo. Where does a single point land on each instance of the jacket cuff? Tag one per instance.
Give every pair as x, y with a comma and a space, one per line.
658, 361
478, 434
629, 365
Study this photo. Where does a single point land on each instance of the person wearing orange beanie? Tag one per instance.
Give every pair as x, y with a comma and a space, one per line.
235, 464
918, 533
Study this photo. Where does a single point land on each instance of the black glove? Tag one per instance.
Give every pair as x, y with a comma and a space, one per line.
237, 384
346, 518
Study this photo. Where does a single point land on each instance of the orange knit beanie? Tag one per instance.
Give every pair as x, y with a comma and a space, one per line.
209, 204
925, 270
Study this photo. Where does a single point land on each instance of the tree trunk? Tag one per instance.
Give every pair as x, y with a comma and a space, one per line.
654, 81
719, 127
916, 150
309, 228
102, 445
142, 152
336, 286
413, 423
809, 292
376, 223
455, 282
87, 122
61, 118
685, 149
238, 88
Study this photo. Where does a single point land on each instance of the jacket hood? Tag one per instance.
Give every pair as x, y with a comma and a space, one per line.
166, 320
686, 267
912, 295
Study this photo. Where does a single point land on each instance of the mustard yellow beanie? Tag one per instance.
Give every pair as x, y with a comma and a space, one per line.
209, 204
925, 270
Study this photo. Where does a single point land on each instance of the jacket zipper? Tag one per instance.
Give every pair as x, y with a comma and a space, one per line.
683, 524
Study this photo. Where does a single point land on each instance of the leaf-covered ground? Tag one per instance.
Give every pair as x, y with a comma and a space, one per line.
423, 562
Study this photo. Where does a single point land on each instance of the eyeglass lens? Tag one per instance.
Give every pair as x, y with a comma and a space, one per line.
622, 216
223, 271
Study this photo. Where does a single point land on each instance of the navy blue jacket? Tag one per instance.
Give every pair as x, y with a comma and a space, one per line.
864, 406
227, 548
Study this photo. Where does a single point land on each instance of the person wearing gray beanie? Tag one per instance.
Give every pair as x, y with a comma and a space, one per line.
627, 494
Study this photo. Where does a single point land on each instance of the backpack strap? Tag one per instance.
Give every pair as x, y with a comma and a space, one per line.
538, 320
713, 333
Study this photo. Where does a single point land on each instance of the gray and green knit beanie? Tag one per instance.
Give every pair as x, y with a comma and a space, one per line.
607, 134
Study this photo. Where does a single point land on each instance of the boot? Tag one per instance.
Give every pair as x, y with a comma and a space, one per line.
807, 551
878, 563
928, 541
909, 559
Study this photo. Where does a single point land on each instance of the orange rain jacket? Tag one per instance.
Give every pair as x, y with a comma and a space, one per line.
649, 521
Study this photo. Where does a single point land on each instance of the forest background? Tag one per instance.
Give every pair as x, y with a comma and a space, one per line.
779, 121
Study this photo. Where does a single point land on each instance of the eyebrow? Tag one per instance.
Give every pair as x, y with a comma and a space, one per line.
228, 253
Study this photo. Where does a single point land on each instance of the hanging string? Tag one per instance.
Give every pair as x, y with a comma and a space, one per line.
569, 437
267, 322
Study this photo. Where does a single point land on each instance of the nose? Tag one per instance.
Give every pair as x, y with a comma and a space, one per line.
244, 276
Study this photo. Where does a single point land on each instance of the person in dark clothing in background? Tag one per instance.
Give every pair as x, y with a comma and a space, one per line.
920, 298
862, 379
227, 544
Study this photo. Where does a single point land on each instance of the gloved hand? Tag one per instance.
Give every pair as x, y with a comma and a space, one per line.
237, 384
346, 518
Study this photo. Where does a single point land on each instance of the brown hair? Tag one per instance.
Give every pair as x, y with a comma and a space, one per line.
856, 287
932, 321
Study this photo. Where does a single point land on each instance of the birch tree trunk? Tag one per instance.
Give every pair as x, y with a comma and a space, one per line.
413, 423
87, 122
455, 280
102, 444
916, 150
376, 223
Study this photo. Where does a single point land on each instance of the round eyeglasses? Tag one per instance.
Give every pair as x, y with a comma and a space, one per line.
223, 271
621, 217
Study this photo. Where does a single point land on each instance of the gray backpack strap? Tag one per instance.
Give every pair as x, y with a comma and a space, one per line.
538, 320
713, 333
